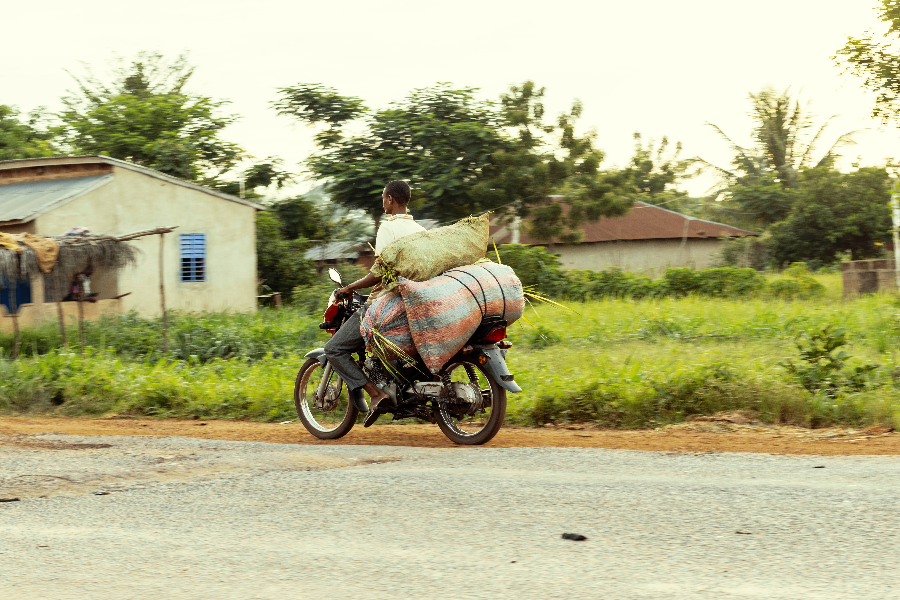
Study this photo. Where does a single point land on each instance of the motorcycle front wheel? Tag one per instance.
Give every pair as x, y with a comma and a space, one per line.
477, 425
328, 415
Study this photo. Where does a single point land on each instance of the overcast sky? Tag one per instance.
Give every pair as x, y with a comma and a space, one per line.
657, 66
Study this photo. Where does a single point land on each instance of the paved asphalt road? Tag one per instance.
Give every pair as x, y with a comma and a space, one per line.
185, 518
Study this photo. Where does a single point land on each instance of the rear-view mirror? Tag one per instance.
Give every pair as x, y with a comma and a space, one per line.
335, 276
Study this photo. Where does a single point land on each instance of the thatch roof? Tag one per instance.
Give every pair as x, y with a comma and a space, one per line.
76, 254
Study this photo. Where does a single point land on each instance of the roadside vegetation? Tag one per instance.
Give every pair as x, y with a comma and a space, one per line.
618, 362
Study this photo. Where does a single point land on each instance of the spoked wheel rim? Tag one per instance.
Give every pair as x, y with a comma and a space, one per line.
475, 421
327, 414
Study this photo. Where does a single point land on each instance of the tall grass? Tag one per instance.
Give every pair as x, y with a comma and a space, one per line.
620, 363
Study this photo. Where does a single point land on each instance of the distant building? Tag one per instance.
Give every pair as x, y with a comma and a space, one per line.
209, 261
647, 239
332, 253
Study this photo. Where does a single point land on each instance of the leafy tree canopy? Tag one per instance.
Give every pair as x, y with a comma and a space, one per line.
835, 212
460, 155
875, 61
280, 262
23, 138
146, 116
538, 162
756, 190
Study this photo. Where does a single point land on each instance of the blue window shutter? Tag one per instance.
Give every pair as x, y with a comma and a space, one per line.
193, 257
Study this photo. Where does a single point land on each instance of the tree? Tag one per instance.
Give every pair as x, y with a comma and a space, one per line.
460, 155
23, 139
280, 262
146, 116
835, 212
876, 62
529, 171
759, 181
438, 139
655, 172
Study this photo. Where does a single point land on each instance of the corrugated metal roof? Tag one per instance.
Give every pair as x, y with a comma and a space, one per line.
100, 159
643, 222
22, 202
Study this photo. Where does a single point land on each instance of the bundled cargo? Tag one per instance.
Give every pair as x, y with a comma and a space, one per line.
386, 318
425, 255
445, 311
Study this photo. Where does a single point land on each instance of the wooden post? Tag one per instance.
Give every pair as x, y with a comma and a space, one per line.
81, 316
14, 313
57, 288
162, 295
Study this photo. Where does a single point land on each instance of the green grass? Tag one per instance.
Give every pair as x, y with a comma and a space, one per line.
621, 363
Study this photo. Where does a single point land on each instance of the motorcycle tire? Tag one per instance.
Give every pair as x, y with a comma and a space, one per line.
467, 437
332, 429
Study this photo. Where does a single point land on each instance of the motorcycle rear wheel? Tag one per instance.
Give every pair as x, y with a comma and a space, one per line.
337, 417
481, 427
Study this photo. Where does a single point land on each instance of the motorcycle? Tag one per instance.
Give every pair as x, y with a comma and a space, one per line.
467, 398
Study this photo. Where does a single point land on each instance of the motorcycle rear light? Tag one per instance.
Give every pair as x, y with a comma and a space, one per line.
496, 334
504, 345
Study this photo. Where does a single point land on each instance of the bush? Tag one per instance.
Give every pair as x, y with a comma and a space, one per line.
535, 266
798, 284
192, 337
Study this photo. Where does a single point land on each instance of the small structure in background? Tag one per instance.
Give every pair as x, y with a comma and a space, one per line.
861, 277
647, 239
332, 253
210, 265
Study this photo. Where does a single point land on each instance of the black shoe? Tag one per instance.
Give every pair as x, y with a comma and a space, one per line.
375, 410
371, 417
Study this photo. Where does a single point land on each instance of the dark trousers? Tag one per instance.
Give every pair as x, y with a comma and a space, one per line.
341, 347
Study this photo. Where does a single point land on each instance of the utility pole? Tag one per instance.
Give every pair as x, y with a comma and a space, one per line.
895, 214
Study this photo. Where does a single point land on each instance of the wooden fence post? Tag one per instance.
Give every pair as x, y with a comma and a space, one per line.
162, 295
57, 288
15, 319
81, 317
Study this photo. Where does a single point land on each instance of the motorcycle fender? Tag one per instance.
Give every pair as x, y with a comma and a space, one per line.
318, 354
493, 362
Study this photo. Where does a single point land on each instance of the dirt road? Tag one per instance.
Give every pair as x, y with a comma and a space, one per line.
720, 435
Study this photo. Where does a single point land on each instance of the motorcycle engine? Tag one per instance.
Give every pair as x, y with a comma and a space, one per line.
376, 371
466, 396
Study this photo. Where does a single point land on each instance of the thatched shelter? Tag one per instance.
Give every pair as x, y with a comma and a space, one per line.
59, 258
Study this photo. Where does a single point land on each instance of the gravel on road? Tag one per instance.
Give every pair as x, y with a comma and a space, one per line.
153, 517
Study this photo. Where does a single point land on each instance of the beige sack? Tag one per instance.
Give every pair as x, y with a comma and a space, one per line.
425, 255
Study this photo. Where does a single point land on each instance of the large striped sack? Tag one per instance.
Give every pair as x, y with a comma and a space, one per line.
426, 254
445, 311
387, 316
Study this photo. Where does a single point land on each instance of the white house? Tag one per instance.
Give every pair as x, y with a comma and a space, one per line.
647, 239
209, 261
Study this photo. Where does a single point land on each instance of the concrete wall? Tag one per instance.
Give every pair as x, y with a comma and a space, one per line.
650, 256
132, 202
868, 277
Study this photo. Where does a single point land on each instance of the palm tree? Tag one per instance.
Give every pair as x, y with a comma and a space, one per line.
781, 148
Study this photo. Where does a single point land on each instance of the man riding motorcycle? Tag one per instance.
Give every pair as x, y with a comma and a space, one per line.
396, 224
